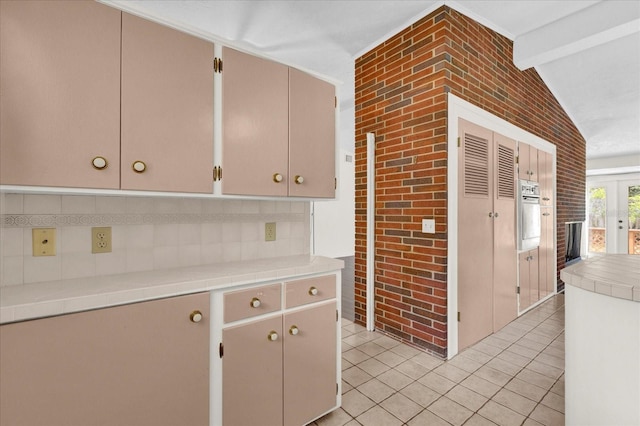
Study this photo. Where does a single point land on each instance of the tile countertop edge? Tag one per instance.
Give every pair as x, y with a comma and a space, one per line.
38, 300
606, 275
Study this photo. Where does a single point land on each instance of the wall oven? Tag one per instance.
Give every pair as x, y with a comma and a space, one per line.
528, 215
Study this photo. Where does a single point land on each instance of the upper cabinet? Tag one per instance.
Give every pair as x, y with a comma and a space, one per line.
60, 85
312, 157
96, 98
167, 109
278, 130
527, 162
93, 97
255, 135
545, 171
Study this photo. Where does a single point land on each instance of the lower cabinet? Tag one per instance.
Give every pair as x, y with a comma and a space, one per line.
529, 289
282, 369
139, 364
547, 252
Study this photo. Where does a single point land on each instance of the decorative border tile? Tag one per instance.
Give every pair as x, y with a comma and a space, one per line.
28, 221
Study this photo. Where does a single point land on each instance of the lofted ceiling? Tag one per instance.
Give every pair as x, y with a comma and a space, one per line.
586, 51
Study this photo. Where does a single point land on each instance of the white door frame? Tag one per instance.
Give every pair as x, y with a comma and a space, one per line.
616, 209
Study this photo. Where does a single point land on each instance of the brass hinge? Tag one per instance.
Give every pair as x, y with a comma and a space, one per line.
458, 316
217, 65
337, 389
518, 290
335, 102
221, 350
517, 159
217, 173
335, 183
458, 141
336, 315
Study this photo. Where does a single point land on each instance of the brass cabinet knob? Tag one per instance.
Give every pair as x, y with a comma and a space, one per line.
495, 214
196, 316
255, 303
298, 179
277, 177
490, 214
272, 336
313, 291
139, 166
294, 330
99, 163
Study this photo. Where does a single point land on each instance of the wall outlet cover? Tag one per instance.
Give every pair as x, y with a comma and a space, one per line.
429, 226
270, 231
44, 241
101, 239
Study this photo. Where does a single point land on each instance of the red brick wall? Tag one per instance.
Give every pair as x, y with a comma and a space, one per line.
401, 88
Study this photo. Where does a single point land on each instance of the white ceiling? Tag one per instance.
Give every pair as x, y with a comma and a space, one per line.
586, 51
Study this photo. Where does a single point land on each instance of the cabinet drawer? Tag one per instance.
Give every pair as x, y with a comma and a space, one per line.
311, 290
251, 302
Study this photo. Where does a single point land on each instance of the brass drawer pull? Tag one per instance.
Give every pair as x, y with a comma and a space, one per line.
139, 166
196, 316
99, 163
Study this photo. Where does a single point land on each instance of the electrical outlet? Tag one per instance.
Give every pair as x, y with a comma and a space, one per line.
101, 240
270, 231
429, 226
44, 241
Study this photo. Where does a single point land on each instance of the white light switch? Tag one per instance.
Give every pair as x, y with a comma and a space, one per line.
429, 226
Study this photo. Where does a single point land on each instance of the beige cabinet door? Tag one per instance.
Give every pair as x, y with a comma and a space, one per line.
534, 275
524, 280
60, 85
167, 108
545, 170
527, 162
139, 364
252, 373
547, 259
505, 299
529, 278
475, 234
255, 135
312, 137
309, 364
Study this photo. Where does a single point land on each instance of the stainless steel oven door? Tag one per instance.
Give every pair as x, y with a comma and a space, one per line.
529, 224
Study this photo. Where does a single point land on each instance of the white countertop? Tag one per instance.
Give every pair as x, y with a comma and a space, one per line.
29, 301
615, 275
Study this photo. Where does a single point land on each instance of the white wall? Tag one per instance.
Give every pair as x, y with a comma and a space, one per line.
334, 221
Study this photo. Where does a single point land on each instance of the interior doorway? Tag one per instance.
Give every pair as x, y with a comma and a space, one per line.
613, 206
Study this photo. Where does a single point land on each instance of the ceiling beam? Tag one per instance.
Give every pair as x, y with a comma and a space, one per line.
598, 24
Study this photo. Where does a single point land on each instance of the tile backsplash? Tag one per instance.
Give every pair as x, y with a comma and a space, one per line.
147, 233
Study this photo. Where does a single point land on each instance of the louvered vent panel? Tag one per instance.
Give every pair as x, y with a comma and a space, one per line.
476, 166
506, 169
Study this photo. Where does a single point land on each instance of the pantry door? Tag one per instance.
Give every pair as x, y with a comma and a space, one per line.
475, 234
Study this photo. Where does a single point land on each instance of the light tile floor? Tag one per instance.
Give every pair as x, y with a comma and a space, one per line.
513, 377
